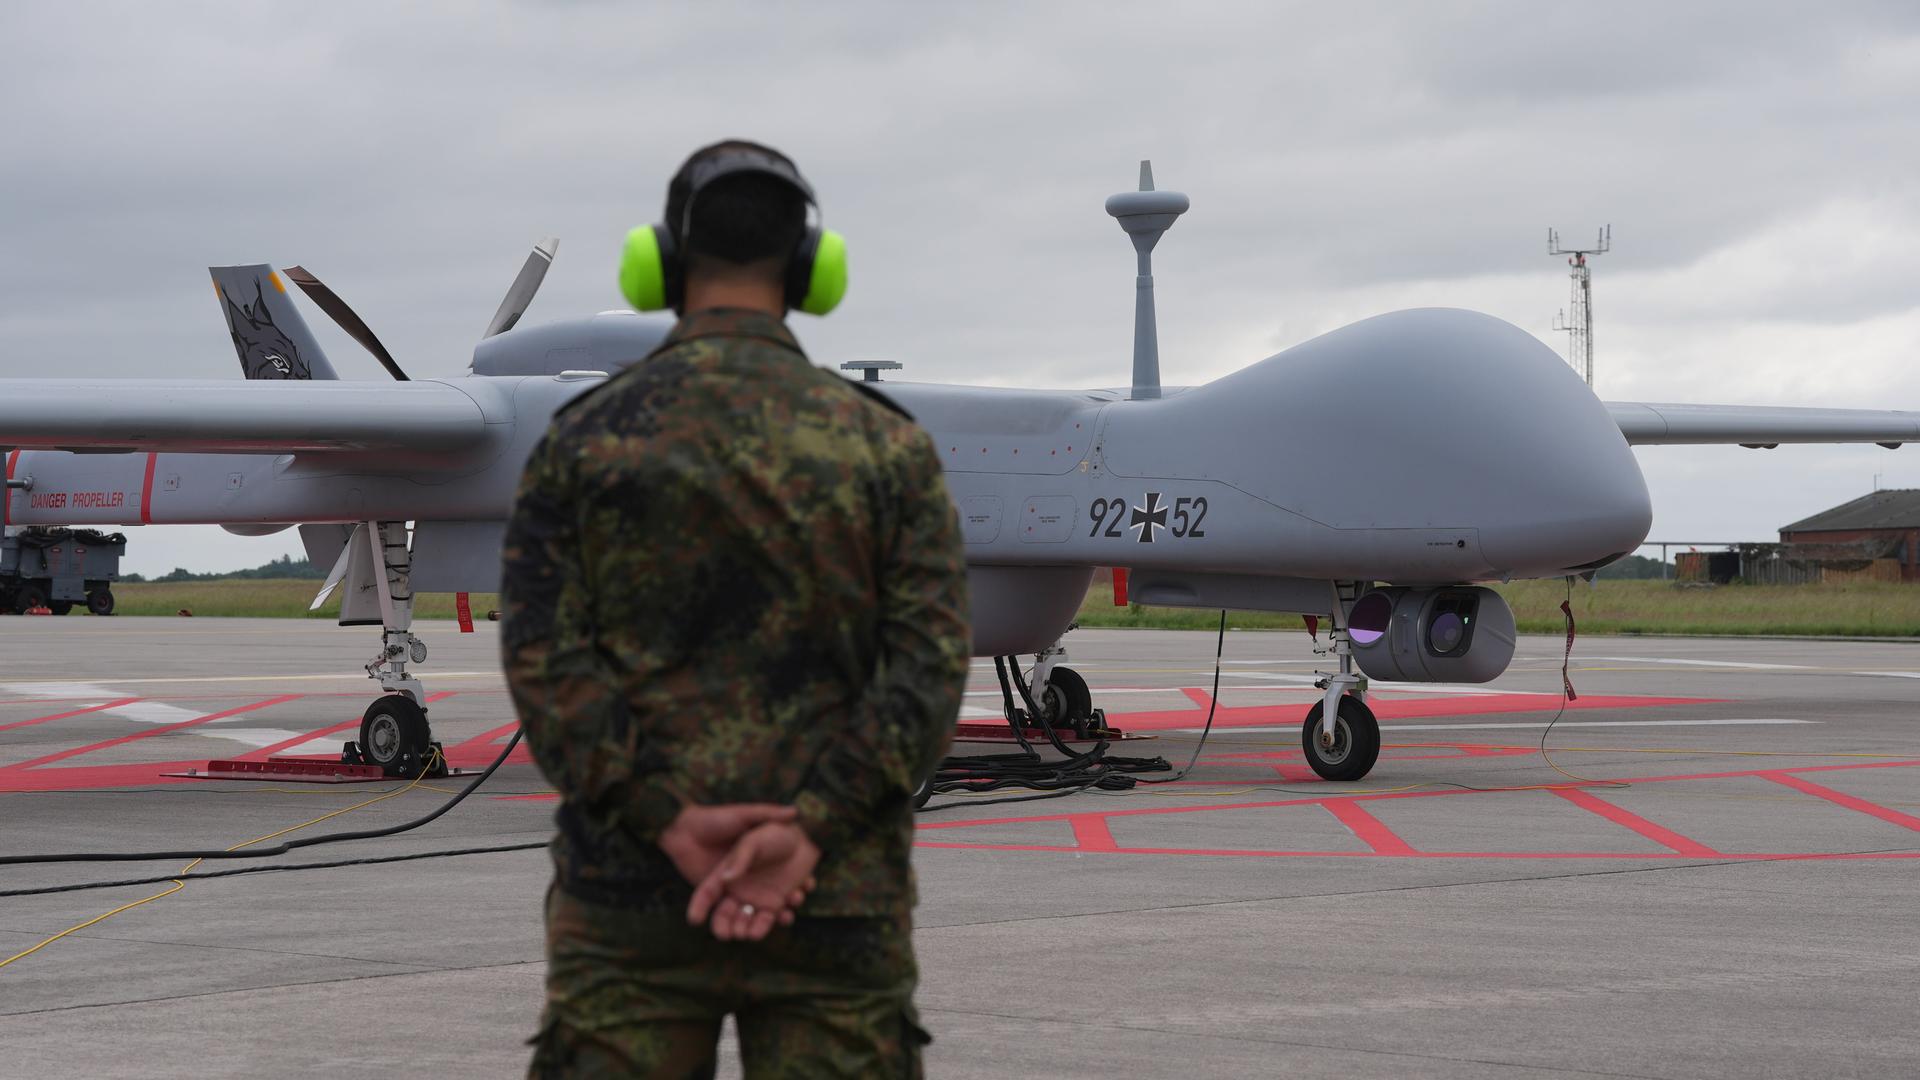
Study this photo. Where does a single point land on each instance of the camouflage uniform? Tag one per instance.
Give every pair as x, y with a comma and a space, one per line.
732, 576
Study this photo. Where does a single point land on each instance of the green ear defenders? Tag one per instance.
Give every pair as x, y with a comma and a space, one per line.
653, 272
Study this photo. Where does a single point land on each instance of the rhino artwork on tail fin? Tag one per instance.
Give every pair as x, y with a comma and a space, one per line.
269, 335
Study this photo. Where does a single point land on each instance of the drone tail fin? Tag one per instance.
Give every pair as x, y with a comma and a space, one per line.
269, 335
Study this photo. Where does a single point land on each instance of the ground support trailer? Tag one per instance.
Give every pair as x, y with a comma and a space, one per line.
59, 568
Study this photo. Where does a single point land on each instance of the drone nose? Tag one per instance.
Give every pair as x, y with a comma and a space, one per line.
1580, 519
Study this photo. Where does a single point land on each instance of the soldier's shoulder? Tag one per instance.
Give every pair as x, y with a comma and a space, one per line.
874, 407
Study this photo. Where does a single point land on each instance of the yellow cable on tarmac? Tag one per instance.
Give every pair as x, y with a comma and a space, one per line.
178, 885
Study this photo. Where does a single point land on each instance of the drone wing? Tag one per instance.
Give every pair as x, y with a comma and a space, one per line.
1764, 426
412, 419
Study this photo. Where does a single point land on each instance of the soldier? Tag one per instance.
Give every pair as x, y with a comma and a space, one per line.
735, 635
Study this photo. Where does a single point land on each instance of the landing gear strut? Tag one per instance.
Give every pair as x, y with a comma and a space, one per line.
1340, 736
394, 733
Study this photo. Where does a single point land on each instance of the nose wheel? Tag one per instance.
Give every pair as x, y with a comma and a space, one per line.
1352, 749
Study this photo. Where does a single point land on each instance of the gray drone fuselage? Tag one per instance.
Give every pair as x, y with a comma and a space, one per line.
1421, 447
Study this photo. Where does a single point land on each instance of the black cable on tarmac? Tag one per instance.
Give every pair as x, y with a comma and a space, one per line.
1094, 769
257, 853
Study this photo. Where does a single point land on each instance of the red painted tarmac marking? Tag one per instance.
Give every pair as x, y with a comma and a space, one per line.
1841, 798
1444, 794
1090, 831
64, 715
1408, 708
78, 778
1383, 841
543, 796
284, 745
148, 734
1658, 834
487, 738
480, 750
1309, 800
1614, 856
1371, 830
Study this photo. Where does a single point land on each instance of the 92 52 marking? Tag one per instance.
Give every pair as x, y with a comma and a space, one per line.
1112, 516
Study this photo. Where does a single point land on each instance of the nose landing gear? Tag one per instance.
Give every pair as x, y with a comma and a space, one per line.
1340, 736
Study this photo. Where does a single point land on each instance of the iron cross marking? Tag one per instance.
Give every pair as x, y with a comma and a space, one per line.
1149, 517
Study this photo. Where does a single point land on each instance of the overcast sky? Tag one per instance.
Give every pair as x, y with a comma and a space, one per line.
1757, 162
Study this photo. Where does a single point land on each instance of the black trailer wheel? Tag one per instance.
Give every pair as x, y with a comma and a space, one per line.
1065, 699
100, 601
1356, 740
394, 735
60, 607
28, 597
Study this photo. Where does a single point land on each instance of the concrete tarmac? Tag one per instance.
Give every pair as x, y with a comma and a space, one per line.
1728, 884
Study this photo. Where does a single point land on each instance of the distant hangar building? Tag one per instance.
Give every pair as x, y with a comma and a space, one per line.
1874, 537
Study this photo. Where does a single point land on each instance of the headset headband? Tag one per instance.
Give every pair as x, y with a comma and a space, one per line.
703, 169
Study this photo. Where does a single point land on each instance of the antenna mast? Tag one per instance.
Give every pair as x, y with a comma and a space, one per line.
1578, 326
1145, 215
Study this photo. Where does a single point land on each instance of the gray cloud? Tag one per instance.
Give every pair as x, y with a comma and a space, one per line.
1756, 160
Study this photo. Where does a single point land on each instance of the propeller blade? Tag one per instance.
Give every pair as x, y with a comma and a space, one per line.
514, 304
337, 310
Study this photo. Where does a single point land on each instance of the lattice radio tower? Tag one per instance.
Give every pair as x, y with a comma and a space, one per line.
1577, 323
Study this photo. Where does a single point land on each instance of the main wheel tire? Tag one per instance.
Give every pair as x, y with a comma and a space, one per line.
28, 597
100, 602
1065, 699
1356, 740
924, 792
60, 607
394, 735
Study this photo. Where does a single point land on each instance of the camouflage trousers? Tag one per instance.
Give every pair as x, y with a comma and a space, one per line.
641, 993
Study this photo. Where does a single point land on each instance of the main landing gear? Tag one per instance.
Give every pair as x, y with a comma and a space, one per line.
394, 733
1340, 736
1043, 709
1062, 694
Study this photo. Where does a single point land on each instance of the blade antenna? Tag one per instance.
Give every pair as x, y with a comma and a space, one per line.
337, 310
525, 284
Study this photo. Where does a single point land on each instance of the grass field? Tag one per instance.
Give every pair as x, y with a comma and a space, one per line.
1609, 607
1870, 609
269, 598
